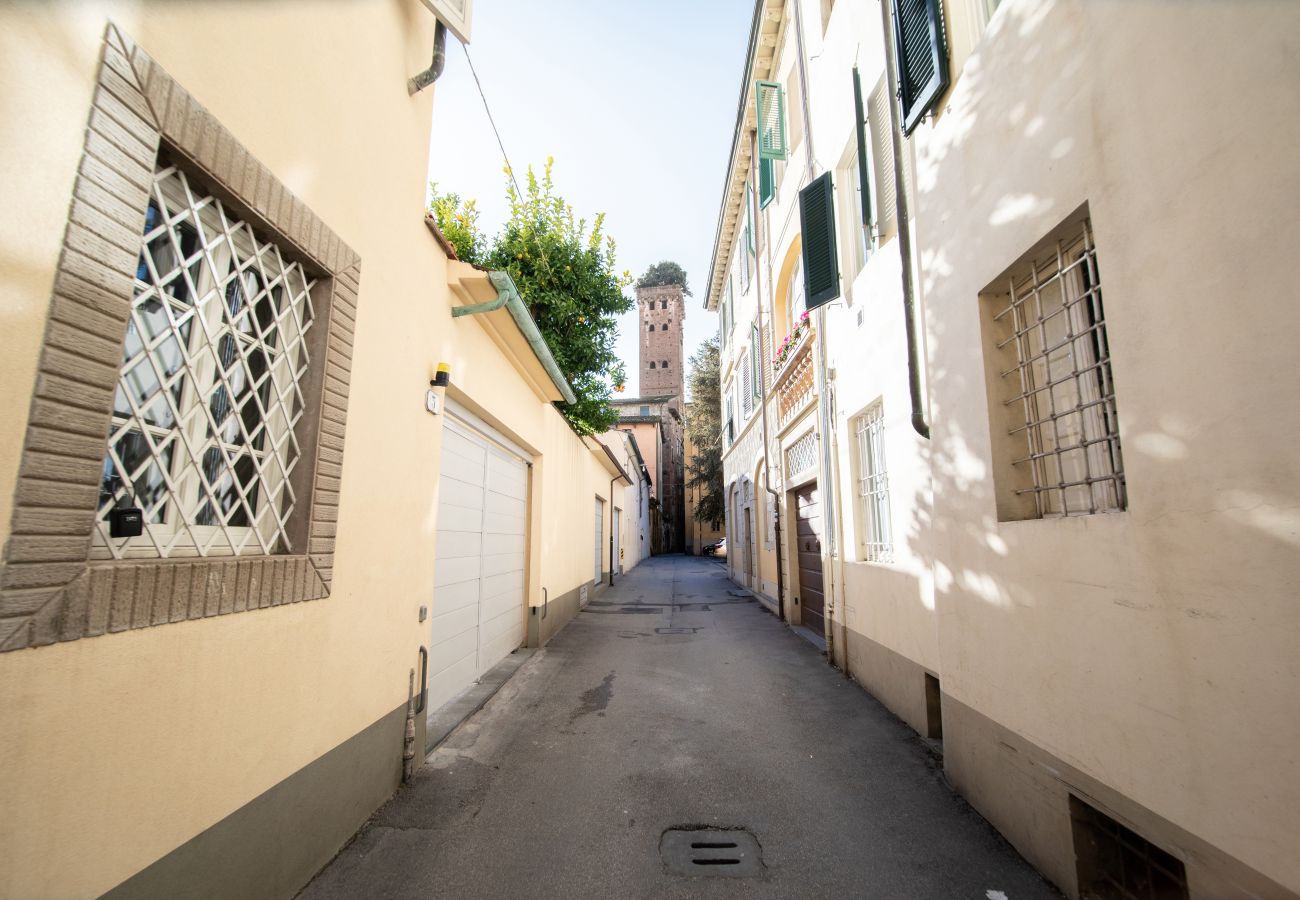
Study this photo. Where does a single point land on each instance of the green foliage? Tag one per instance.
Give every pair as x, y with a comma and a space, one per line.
566, 274
704, 428
665, 272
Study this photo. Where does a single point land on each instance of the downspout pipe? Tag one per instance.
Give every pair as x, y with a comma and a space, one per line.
421, 81
508, 296
773, 497
901, 213
611, 526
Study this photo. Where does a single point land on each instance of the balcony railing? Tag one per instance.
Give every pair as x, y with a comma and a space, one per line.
793, 378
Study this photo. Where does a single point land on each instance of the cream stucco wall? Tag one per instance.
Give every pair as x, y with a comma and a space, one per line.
1152, 649
119, 748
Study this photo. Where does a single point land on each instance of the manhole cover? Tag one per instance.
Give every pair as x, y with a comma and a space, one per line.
697, 851
676, 629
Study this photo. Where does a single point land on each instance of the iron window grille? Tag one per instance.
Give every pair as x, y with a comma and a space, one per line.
1068, 430
211, 384
877, 539
801, 456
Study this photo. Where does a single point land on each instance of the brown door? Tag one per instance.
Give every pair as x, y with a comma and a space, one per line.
808, 540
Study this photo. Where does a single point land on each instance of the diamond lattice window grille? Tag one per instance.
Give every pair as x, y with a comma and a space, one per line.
210, 389
801, 455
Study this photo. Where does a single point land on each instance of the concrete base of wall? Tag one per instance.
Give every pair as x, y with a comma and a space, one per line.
890, 677
273, 845
545, 622
1024, 792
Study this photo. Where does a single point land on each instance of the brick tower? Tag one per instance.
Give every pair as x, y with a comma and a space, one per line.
662, 310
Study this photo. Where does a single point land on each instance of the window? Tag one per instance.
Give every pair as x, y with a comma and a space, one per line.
794, 90
875, 534
664, 364
1047, 339
210, 387
663, 304
794, 302
729, 430
725, 314
746, 385
921, 57
882, 158
205, 328
652, 364
663, 327
856, 238
650, 327
766, 182
820, 257
742, 262
645, 410
755, 359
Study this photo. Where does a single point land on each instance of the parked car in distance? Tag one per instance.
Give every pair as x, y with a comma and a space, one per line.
718, 549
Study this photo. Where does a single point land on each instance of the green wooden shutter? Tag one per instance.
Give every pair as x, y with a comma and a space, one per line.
726, 314
749, 218
755, 361
766, 181
821, 271
864, 179
921, 57
771, 120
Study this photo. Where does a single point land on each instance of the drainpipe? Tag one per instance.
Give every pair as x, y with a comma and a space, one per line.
430, 75
759, 245
919, 423
508, 296
611, 529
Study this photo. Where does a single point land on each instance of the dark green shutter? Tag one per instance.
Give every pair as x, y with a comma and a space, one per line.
921, 57
754, 351
766, 181
863, 178
821, 270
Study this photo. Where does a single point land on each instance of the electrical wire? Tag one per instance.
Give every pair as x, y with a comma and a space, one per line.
510, 169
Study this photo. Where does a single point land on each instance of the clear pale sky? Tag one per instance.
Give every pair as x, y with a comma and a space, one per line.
636, 101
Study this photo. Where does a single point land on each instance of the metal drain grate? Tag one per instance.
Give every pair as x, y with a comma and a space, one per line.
729, 853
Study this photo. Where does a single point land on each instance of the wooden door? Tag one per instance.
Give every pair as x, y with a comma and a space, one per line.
808, 541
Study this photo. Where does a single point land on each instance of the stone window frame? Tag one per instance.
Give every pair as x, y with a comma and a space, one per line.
50, 588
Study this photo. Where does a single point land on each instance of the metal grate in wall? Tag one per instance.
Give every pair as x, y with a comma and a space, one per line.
1069, 431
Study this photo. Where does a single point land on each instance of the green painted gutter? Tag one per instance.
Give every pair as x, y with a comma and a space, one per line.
508, 296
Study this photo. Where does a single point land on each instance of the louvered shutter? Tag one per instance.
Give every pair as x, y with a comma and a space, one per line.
771, 120
766, 181
921, 57
821, 282
755, 354
864, 178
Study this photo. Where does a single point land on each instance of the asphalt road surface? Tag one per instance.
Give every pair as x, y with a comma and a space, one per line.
674, 700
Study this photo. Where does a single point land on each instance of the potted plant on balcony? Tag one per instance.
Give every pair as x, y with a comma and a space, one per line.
791, 341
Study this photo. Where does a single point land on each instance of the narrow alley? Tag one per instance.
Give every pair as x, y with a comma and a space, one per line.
675, 700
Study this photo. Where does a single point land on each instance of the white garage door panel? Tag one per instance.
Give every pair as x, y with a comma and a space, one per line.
481, 549
456, 570
450, 681
463, 495
454, 623
455, 544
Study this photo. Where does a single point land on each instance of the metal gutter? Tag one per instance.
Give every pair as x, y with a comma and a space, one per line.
508, 296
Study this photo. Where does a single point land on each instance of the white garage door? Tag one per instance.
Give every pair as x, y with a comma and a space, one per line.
478, 596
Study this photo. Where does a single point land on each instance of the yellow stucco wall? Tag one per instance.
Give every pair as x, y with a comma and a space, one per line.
1153, 649
117, 749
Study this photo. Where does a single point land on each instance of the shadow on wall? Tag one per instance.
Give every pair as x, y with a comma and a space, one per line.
1103, 620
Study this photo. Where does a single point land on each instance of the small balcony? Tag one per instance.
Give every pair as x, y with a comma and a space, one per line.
792, 378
